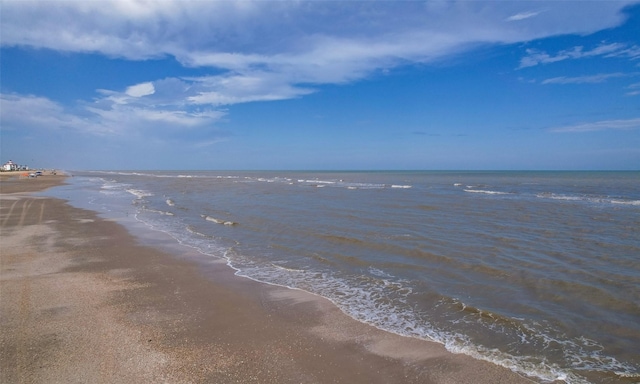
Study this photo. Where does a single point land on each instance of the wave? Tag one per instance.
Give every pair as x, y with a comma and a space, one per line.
164, 175
138, 193
361, 186
342, 239
577, 353
626, 202
367, 299
218, 221
486, 192
192, 230
166, 213
287, 268
588, 199
345, 184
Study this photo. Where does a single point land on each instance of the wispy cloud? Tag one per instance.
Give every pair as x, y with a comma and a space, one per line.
111, 115
523, 16
291, 42
244, 87
593, 79
631, 52
634, 89
535, 57
36, 113
629, 124
264, 50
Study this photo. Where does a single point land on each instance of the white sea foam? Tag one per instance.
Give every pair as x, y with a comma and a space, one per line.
212, 219
626, 202
191, 230
368, 304
321, 181
351, 185
486, 192
345, 184
111, 185
588, 199
140, 194
379, 273
287, 268
218, 221
166, 213
366, 299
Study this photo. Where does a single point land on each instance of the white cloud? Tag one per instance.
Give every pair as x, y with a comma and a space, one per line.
29, 113
632, 52
243, 88
139, 90
522, 16
535, 57
600, 78
109, 116
265, 50
628, 124
127, 118
307, 41
634, 89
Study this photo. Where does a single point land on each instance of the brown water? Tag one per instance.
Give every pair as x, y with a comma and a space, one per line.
535, 271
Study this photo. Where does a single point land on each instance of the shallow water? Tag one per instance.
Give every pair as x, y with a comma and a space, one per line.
535, 271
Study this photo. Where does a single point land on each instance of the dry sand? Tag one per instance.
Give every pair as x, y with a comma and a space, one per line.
82, 300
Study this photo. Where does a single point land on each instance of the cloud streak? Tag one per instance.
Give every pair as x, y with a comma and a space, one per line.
265, 51
33, 113
301, 42
606, 125
522, 16
112, 115
535, 57
634, 89
593, 79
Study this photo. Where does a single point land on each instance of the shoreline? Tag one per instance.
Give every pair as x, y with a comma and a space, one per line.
83, 299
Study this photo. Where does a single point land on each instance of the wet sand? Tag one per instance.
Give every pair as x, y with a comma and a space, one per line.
83, 300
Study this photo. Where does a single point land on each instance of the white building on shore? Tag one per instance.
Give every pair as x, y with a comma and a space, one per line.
11, 166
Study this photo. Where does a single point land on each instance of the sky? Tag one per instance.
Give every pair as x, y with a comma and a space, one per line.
320, 85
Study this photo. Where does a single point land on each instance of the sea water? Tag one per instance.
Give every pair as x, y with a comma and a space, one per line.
538, 272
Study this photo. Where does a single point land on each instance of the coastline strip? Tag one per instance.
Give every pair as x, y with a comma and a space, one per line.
82, 300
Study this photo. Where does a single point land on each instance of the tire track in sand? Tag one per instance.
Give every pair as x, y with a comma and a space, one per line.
25, 312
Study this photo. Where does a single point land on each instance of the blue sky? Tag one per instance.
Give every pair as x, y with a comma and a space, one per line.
340, 85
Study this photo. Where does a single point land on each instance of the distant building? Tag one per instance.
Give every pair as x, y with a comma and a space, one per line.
11, 166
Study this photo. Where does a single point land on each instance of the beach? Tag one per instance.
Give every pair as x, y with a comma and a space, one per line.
82, 300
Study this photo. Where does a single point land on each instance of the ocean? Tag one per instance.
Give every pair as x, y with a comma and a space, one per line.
538, 272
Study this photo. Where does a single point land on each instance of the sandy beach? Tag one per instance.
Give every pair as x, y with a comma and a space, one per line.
83, 300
